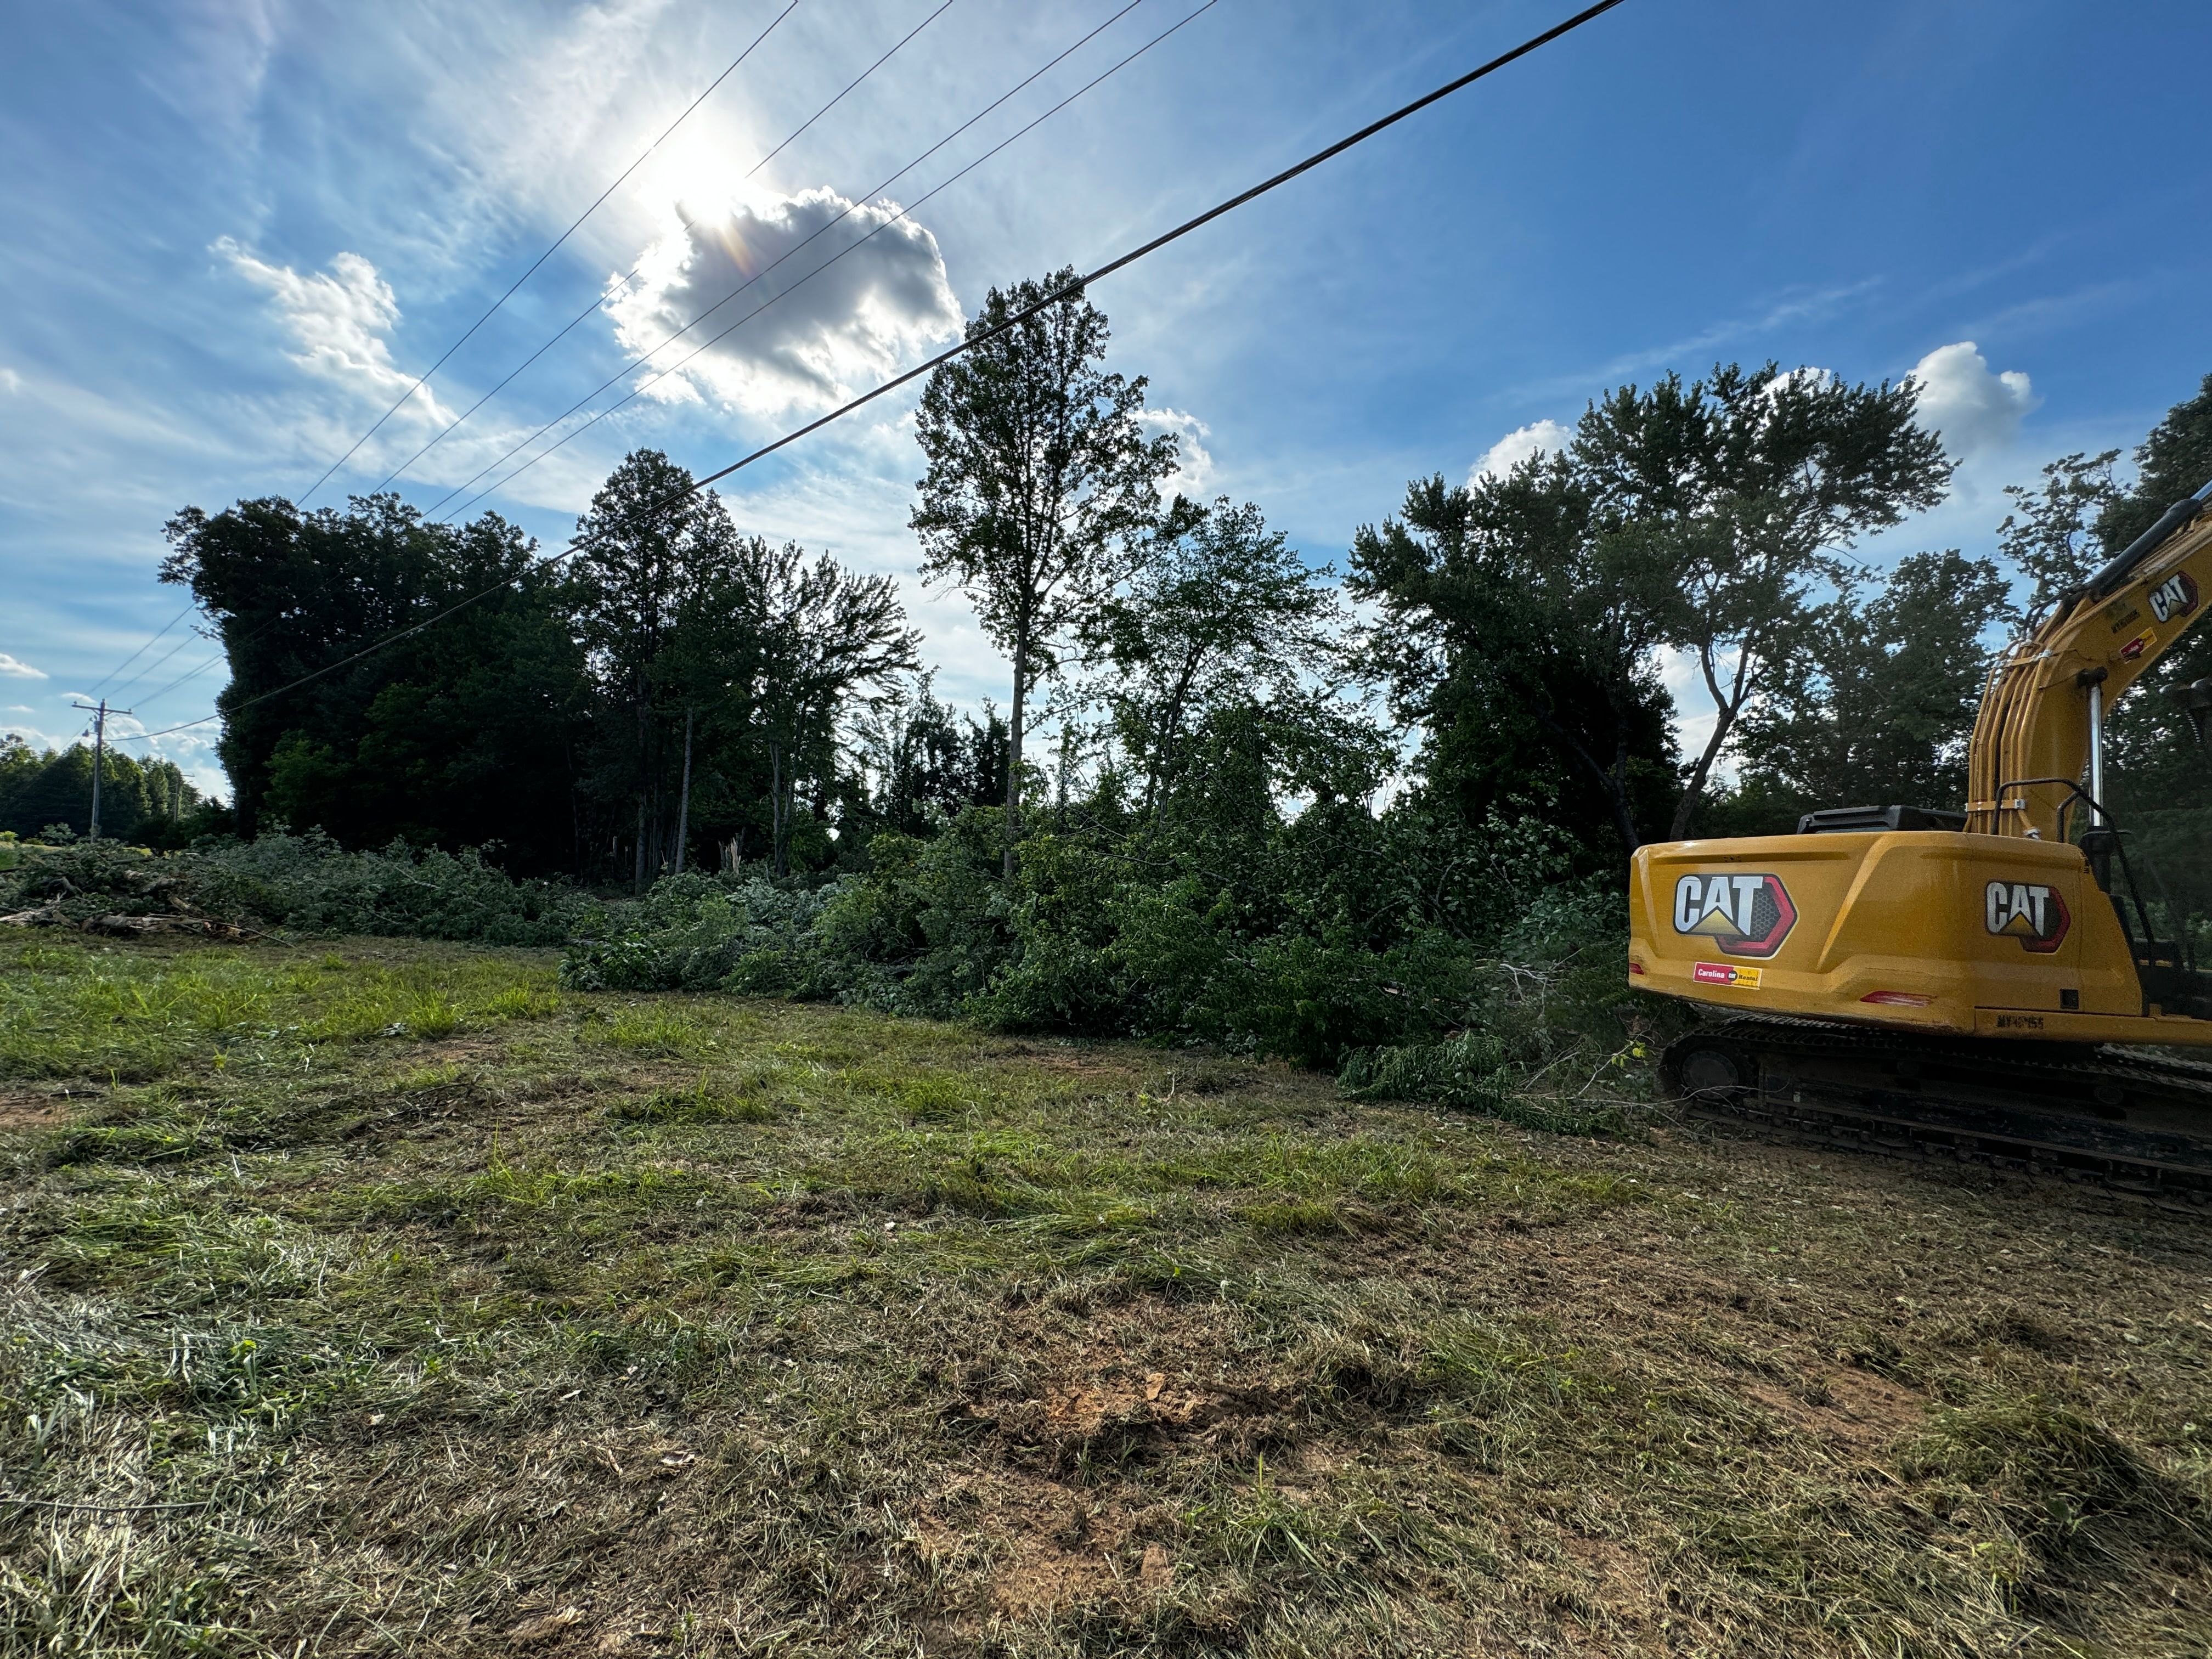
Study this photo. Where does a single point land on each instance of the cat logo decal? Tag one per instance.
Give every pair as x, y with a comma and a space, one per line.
2174, 597
2033, 914
1747, 915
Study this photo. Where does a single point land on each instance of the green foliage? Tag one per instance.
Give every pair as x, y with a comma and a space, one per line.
305, 883
1882, 703
139, 800
455, 735
309, 883
1302, 939
1039, 494
1522, 638
1553, 1040
701, 932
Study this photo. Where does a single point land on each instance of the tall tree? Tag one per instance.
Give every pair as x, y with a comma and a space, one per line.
138, 799
1040, 489
1879, 705
1522, 638
824, 640
647, 549
922, 763
2173, 460
1750, 483
1224, 612
2051, 532
457, 733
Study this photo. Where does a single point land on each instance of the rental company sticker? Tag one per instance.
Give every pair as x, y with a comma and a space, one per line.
1726, 973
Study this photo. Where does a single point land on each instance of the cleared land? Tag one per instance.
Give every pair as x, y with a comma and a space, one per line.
385, 1298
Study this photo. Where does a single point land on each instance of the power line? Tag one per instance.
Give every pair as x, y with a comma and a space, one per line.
1080, 283
149, 646
150, 670
1065, 291
439, 436
424, 378
904, 212
199, 669
857, 79
190, 673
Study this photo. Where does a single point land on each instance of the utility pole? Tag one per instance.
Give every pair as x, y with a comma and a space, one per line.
100, 715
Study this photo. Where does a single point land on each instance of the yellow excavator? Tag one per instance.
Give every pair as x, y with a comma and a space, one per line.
2004, 984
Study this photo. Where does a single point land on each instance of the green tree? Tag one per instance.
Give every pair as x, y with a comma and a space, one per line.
1746, 486
1880, 704
1521, 639
1040, 488
139, 799
1224, 614
2173, 460
648, 550
923, 764
824, 641
458, 733
2051, 534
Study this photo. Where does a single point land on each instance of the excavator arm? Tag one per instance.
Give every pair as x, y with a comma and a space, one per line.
2043, 710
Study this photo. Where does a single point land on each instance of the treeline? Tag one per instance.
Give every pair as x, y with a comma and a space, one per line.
675, 692
46, 792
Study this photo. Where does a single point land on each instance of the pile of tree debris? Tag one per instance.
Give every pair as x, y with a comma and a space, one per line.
91, 890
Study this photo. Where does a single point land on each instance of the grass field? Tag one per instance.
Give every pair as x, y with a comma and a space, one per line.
384, 1298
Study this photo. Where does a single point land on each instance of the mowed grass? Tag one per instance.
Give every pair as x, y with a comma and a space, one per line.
384, 1298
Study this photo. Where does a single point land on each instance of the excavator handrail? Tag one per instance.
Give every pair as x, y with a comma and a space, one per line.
2073, 791
2103, 824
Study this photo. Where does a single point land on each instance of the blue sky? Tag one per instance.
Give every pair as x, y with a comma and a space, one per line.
234, 229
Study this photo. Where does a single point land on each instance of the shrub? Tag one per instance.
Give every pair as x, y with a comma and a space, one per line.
703, 932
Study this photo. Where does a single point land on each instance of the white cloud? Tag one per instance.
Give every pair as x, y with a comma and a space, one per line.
1807, 376
858, 321
1975, 412
11, 380
1194, 473
12, 669
338, 319
1517, 445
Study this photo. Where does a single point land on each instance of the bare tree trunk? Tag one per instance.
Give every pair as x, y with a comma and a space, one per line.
683, 800
1727, 705
1014, 748
644, 787
777, 860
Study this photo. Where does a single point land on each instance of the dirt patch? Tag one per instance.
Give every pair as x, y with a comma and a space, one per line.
1851, 1410
1110, 1383
1045, 1544
30, 1112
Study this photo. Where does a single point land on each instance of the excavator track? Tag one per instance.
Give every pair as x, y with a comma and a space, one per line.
2137, 1122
